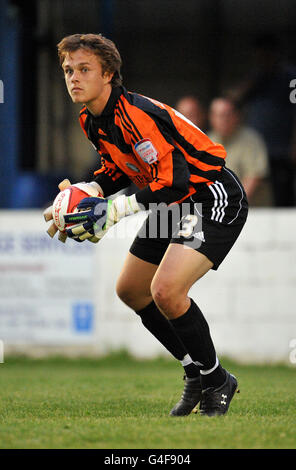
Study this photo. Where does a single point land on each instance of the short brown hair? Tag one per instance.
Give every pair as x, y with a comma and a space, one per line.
104, 48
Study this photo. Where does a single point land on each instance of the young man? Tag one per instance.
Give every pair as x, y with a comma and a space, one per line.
181, 176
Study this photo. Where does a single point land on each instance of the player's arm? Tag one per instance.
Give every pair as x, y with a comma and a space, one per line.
109, 177
170, 183
167, 164
170, 180
169, 174
97, 215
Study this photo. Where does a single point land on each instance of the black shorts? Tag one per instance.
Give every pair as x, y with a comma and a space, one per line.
209, 222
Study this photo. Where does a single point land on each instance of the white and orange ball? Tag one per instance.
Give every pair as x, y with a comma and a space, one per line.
67, 201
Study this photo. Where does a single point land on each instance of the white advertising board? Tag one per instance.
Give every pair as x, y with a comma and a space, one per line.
46, 287
61, 298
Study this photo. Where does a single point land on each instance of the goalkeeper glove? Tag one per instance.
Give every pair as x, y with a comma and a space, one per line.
53, 229
96, 215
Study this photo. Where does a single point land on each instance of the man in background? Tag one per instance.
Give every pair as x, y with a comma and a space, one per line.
194, 110
246, 150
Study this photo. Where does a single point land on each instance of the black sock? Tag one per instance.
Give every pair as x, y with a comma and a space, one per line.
191, 370
161, 328
213, 379
193, 330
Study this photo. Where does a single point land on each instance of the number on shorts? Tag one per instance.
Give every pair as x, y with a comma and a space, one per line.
188, 223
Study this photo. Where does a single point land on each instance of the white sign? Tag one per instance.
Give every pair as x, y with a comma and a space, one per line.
46, 287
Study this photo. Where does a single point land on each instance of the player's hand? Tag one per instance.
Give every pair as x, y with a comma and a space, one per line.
53, 229
47, 214
96, 215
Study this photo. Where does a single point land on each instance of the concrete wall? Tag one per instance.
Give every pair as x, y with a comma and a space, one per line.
249, 302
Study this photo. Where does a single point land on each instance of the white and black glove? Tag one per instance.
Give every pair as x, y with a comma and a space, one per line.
48, 213
96, 215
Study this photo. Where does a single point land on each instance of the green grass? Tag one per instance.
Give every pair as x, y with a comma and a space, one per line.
120, 403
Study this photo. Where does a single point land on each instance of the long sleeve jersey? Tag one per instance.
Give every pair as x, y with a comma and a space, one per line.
146, 142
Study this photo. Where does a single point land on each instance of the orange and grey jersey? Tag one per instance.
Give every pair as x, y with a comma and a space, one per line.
149, 143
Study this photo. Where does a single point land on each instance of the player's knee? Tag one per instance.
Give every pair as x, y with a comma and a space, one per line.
167, 297
131, 296
125, 293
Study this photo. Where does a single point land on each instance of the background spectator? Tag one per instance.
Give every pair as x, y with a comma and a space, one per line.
194, 110
246, 150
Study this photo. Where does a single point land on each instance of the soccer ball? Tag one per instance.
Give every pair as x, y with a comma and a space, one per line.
67, 201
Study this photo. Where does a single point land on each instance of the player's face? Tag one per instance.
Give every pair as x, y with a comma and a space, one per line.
85, 80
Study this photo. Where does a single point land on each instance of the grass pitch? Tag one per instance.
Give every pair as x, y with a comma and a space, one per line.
121, 403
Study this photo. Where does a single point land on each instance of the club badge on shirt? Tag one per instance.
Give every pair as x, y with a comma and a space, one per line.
146, 150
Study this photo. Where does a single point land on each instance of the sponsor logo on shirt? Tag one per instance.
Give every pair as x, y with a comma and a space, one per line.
146, 150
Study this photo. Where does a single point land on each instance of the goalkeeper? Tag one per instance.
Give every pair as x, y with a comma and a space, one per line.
183, 181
